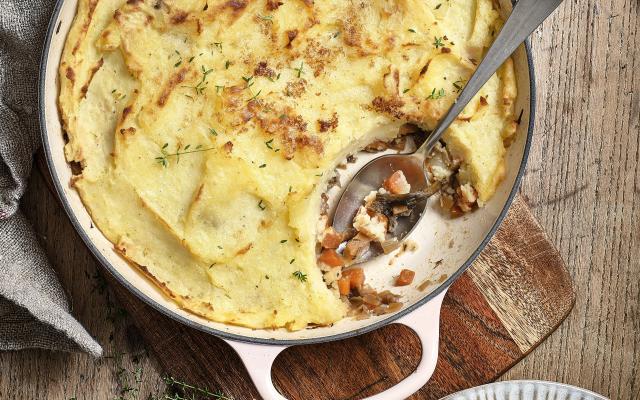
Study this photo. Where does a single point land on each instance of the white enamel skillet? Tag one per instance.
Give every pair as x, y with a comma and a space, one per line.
444, 247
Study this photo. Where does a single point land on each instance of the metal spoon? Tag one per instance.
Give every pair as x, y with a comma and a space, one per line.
525, 17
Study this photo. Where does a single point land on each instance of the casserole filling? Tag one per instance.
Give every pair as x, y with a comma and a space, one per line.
206, 132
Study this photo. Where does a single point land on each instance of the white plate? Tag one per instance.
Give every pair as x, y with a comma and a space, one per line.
525, 390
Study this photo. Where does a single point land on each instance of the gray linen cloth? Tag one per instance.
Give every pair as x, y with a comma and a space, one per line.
34, 312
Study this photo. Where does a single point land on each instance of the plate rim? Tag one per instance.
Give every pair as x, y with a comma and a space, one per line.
522, 382
51, 28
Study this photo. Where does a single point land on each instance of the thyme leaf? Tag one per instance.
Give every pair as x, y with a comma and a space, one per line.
436, 95
458, 85
300, 69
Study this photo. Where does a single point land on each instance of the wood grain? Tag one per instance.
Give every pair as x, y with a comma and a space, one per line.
518, 269
582, 182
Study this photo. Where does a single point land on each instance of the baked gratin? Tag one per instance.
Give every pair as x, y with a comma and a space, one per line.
203, 133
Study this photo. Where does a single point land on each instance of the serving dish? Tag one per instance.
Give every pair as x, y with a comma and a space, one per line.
445, 247
525, 390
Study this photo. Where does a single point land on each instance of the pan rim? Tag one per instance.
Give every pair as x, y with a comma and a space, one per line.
248, 339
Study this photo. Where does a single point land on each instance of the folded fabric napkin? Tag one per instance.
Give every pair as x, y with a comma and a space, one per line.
34, 312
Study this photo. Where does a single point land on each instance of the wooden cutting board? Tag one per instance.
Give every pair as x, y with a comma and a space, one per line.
514, 295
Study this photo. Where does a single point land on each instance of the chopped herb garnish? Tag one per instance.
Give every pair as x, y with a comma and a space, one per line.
177, 64
191, 58
218, 45
249, 81
290, 187
336, 34
300, 69
219, 88
438, 42
202, 85
405, 91
438, 6
226, 64
459, 84
265, 17
261, 205
436, 95
412, 30
301, 276
269, 143
283, 241
262, 165
213, 132
256, 95
163, 158
292, 260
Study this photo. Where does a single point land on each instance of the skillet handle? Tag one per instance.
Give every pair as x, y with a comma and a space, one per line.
425, 322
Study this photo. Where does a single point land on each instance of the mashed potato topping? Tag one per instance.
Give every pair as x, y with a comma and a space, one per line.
206, 131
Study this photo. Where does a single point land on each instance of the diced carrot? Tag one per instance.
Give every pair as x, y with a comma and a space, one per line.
331, 239
344, 285
331, 258
405, 278
355, 276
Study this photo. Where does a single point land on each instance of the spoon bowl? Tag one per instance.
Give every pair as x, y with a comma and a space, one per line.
370, 178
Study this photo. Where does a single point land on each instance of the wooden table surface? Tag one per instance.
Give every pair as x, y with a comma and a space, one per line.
582, 182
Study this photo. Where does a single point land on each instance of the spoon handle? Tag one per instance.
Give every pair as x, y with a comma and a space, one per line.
525, 17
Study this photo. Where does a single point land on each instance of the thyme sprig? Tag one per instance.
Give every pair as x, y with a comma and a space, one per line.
185, 387
202, 85
438, 42
163, 158
299, 275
